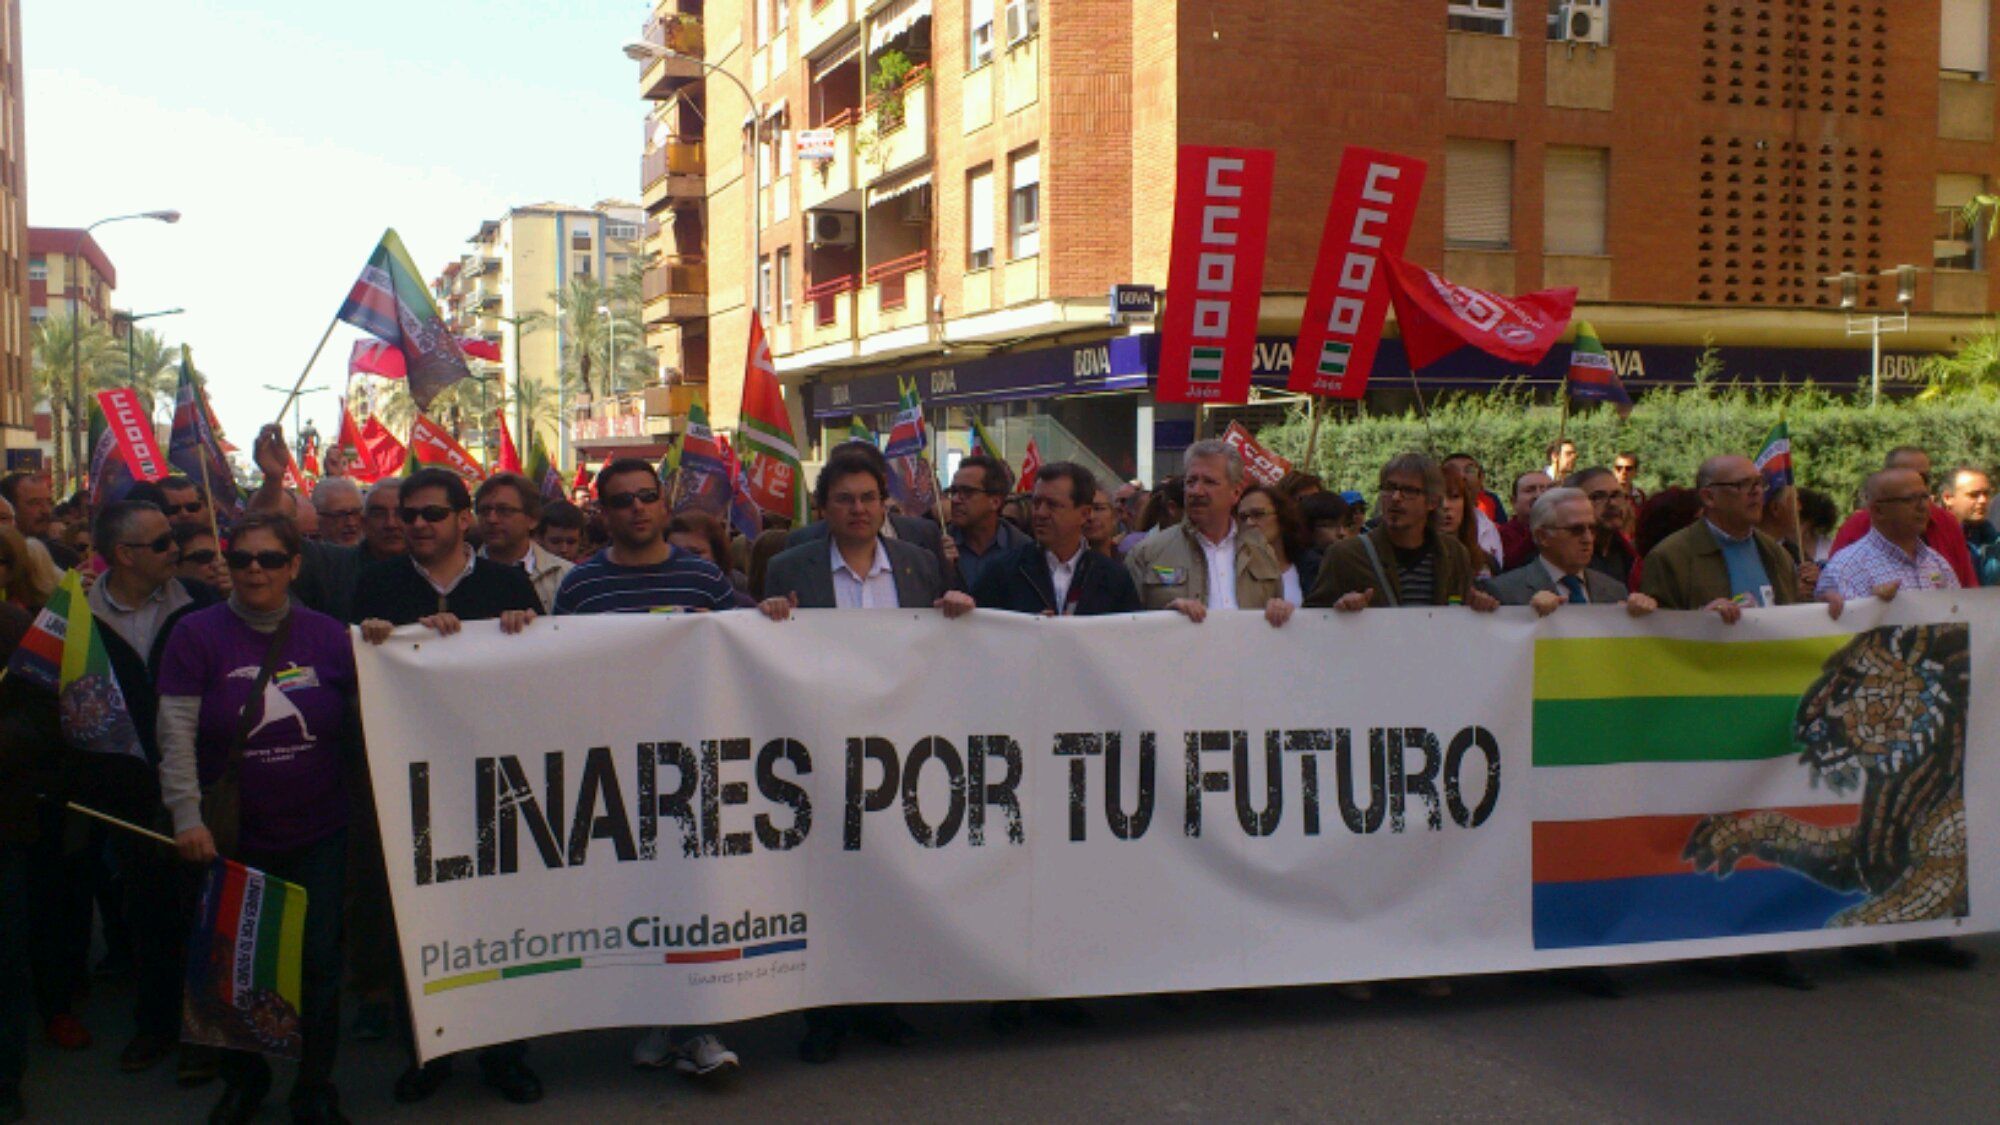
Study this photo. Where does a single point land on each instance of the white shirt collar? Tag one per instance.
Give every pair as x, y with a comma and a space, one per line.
1069, 563
1556, 573
1228, 540
471, 560
879, 566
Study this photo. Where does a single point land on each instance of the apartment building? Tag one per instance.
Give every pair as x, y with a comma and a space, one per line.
946, 189
17, 393
504, 289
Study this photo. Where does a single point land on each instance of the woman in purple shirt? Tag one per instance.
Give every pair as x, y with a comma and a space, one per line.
291, 774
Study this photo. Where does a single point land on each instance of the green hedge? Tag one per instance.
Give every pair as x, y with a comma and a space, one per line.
1836, 442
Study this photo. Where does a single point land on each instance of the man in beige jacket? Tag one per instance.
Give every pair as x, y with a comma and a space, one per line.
1208, 561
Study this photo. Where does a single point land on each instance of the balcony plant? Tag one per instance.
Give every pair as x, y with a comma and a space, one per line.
895, 75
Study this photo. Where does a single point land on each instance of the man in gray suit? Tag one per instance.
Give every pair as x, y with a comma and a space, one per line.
1564, 525
854, 567
915, 530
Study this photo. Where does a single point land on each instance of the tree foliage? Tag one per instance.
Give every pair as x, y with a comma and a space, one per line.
1836, 441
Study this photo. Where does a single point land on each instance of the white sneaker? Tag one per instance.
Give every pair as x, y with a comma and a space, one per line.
704, 1055
654, 1049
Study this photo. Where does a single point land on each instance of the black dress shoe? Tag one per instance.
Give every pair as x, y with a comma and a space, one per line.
1870, 956
1007, 1017
144, 1052
1940, 952
1778, 969
240, 1100
513, 1079
420, 1082
821, 1044
886, 1027
1065, 1013
1591, 982
317, 1106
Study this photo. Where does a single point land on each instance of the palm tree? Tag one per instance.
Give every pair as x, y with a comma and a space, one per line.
538, 403
62, 350
151, 366
1976, 366
590, 337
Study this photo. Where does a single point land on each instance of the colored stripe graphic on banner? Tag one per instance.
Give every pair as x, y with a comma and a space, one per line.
1641, 703
1619, 881
606, 961
1654, 699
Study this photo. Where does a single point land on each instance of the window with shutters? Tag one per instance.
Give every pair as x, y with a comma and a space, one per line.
785, 286
979, 28
1478, 194
1493, 17
979, 218
1024, 203
1963, 38
764, 287
1573, 200
1955, 243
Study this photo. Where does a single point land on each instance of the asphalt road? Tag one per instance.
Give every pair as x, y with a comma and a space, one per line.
1908, 1043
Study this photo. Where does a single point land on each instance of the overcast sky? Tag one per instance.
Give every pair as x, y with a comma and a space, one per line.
289, 135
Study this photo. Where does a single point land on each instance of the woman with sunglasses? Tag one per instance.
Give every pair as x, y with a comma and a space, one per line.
201, 558
264, 688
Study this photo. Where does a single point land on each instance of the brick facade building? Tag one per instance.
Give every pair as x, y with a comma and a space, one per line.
977, 173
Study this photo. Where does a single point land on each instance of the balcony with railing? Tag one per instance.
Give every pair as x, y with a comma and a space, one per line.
675, 288
674, 169
828, 314
821, 181
659, 78
895, 130
894, 294
822, 20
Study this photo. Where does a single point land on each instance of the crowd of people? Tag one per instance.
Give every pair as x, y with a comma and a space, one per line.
231, 644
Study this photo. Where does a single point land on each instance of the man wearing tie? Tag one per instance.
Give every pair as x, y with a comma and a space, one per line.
1564, 525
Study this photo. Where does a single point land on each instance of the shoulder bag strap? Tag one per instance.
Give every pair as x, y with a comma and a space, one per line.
1381, 576
247, 718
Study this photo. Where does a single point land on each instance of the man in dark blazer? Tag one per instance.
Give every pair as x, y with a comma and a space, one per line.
1564, 524
915, 530
854, 567
1058, 575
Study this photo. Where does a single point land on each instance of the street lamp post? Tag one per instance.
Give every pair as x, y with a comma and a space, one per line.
610, 348
298, 428
131, 329
76, 423
1873, 325
642, 51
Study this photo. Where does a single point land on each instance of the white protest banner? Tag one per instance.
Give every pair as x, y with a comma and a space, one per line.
655, 820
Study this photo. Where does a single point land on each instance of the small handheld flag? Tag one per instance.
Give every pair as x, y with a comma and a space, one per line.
1775, 459
774, 477
63, 653
1031, 467
1592, 378
390, 302
245, 963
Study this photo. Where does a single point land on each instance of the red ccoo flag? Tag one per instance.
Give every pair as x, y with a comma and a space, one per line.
132, 427
1031, 467
510, 457
360, 458
479, 347
1439, 317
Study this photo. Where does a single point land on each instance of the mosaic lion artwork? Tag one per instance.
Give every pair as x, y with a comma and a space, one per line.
1887, 718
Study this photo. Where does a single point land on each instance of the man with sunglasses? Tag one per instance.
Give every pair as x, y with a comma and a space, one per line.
979, 535
640, 572
137, 603
1566, 524
184, 503
1944, 535
440, 584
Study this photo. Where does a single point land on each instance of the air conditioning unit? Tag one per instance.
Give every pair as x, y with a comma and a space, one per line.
1587, 21
834, 228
